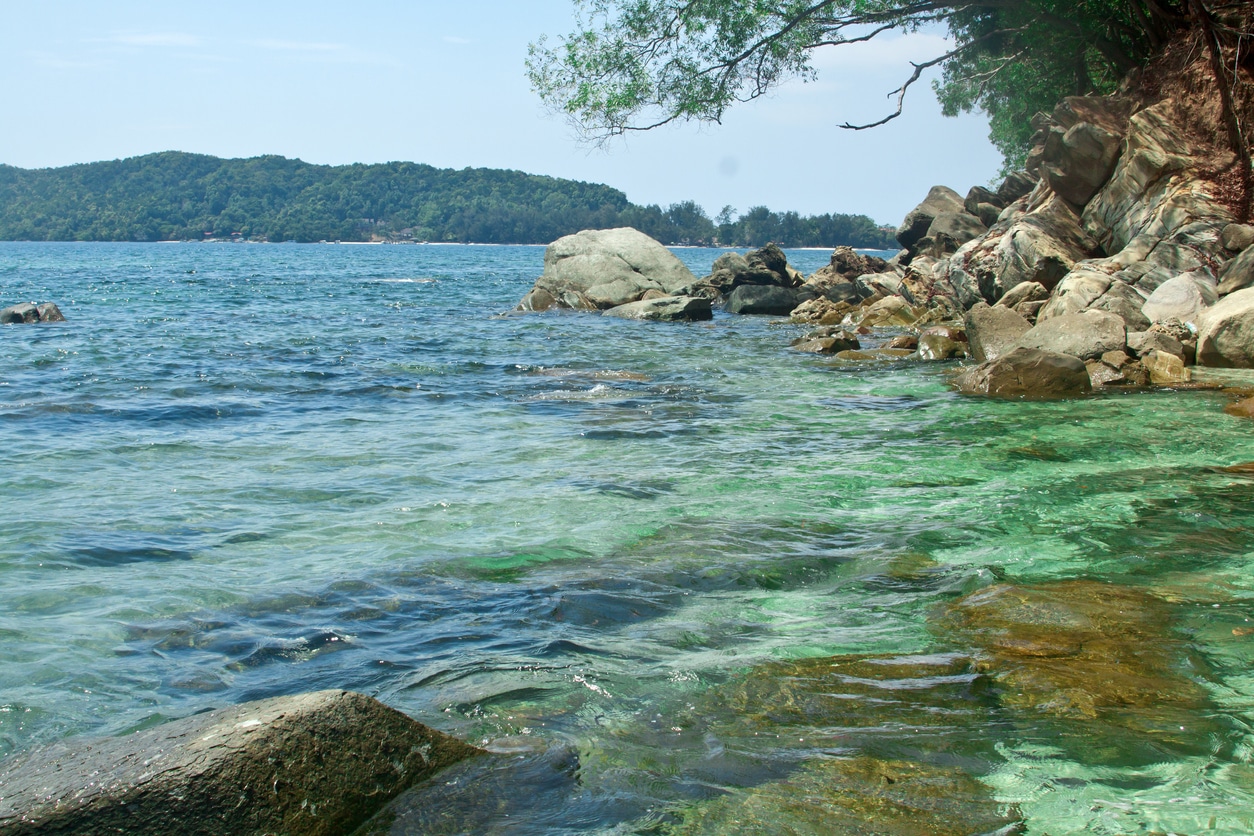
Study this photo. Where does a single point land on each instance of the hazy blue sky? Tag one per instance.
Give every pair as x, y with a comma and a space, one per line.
443, 83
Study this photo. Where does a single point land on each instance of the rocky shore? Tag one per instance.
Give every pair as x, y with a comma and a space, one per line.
1111, 261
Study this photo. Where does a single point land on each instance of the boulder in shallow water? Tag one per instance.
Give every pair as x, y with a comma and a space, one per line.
1027, 373
318, 763
1164, 369
763, 300
821, 312
1183, 297
1085, 335
603, 268
992, 331
665, 309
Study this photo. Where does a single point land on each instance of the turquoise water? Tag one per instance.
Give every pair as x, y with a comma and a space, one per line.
629, 558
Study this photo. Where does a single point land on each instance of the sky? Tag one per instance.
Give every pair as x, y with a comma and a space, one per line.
444, 83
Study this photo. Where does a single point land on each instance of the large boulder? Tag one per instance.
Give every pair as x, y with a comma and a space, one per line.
939, 200
604, 268
1075, 293
665, 309
1184, 298
319, 763
993, 331
1027, 373
1079, 160
768, 300
1085, 335
1225, 336
948, 232
1238, 273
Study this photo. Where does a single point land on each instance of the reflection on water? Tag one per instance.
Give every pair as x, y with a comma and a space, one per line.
676, 579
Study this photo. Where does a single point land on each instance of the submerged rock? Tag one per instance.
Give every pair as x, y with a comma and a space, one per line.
1097, 656
318, 763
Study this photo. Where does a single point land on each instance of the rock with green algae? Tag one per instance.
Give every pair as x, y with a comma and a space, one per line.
857, 796
1095, 664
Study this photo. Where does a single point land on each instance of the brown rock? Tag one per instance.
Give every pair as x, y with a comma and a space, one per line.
992, 331
1164, 369
1242, 409
1028, 373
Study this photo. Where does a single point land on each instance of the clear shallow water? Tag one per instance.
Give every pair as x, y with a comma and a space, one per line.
634, 559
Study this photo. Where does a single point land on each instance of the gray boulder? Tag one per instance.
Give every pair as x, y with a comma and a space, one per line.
1141, 343
29, 312
939, 200
1075, 293
604, 268
1238, 273
1238, 237
767, 300
1126, 302
1184, 297
1028, 373
1225, 336
665, 309
1079, 161
319, 763
992, 331
1085, 335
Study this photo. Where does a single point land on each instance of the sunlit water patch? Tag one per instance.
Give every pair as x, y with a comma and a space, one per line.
678, 578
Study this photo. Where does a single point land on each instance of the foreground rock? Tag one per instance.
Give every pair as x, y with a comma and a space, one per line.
31, 313
993, 331
317, 763
665, 309
1226, 332
604, 268
1086, 335
764, 300
1028, 373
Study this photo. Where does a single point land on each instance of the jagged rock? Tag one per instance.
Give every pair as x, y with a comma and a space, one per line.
1027, 373
1079, 161
29, 312
1125, 302
993, 331
311, 764
1183, 298
1238, 273
821, 312
665, 309
948, 232
1042, 246
1238, 237
939, 200
1025, 292
1141, 343
597, 269
1016, 185
1164, 369
768, 300
1225, 332
978, 196
1075, 293
1085, 335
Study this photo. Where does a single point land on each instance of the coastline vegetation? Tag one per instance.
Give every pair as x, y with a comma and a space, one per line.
173, 196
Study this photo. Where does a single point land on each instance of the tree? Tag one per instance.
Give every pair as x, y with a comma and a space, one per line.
635, 65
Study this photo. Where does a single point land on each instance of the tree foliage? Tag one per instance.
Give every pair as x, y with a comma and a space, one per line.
638, 64
176, 196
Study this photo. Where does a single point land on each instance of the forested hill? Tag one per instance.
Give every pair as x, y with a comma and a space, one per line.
177, 196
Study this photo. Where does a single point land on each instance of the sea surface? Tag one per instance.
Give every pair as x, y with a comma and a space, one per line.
679, 578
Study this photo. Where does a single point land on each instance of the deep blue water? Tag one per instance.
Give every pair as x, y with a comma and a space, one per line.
241, 470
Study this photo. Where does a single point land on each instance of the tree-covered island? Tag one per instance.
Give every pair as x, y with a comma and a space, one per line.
175, 196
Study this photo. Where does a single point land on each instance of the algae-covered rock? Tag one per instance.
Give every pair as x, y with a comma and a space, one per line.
857, 796
1099, 661
317, 763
